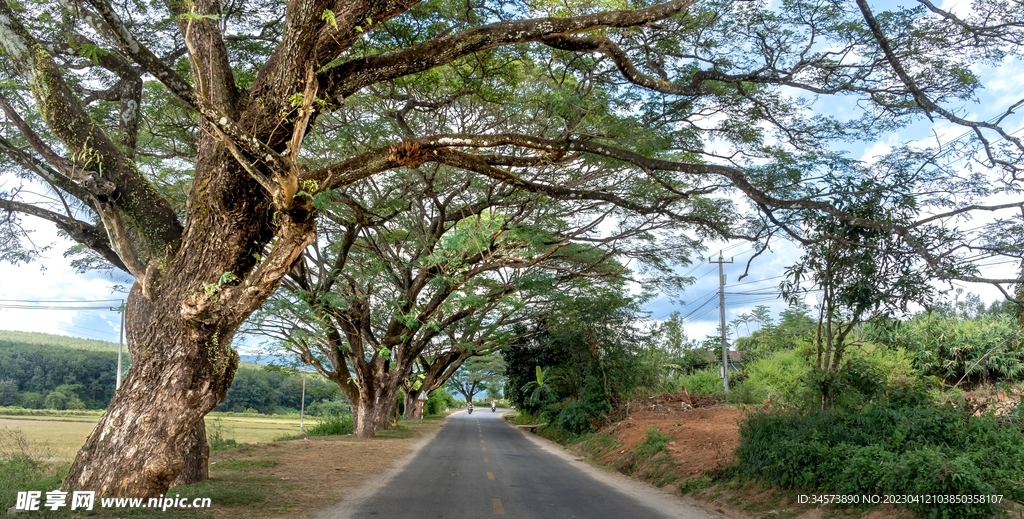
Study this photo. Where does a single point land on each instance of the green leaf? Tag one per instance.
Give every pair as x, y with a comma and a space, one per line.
226, 278
328, 16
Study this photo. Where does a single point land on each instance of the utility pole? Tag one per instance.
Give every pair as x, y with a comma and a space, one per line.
721, 313
120, 345
302, 408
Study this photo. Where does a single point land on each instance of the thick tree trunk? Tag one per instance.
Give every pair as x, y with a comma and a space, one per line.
140, 444
181, 317
372, 414
196, 453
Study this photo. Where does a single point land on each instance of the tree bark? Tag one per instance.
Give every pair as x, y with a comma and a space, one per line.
140, 444
181, 318
372, 414
196, 453
412, 411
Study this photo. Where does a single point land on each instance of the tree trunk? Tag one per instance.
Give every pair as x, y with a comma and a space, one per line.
196, 453
372, 414
181, 317
140, 444
412, 410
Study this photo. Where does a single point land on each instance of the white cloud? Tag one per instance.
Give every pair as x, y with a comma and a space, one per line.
51, 278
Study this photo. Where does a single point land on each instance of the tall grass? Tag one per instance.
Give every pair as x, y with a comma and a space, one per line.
333, 425
22, 470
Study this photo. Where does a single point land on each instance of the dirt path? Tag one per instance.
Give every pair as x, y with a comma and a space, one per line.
294, 479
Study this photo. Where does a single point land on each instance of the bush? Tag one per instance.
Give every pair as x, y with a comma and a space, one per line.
64, 397
781, 375
32, 400
704, 382
654, 443
981, 349
337, 407
333, 425
215, 436
438, 401
899, 443
583, 414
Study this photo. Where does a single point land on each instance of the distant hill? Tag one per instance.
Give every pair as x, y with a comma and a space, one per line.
47, 339
41, 370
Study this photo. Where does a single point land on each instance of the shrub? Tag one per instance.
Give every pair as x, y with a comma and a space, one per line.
438, 401
333, 425
64, 397
704, 382
985, 348
654, 443
899, 443
215, 436
20, 470
781, 375
337, 407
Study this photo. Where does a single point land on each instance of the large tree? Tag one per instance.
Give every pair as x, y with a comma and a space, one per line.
167, 140
434, 258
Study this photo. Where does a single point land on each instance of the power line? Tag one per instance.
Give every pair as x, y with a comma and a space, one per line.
62, 301
52, 307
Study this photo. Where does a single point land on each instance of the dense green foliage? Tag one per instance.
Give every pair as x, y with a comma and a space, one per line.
40, 371
580, 364
269, 392
336, 407
439, 400
333, 425
478, 375
962, 349
898, 443
884, 422
38, 374
48, 339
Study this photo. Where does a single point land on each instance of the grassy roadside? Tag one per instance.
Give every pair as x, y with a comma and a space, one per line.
660, 452
275, 479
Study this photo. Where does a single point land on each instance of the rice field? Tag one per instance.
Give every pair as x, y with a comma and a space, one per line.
58, 438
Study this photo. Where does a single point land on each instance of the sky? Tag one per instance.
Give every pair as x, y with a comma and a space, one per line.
52, 279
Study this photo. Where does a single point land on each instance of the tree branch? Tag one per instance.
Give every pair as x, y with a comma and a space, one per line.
352, 76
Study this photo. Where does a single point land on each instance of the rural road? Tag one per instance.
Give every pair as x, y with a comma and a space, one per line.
479, 466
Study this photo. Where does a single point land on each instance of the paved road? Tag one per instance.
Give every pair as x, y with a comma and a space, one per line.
478, 466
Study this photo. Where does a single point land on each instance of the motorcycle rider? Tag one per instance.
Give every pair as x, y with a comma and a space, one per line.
492, 406
471, 408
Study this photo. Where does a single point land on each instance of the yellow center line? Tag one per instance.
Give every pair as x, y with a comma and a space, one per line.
498, 509
490, 476
483, 449
485, 459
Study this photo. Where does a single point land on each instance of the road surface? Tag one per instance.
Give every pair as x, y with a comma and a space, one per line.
479, 466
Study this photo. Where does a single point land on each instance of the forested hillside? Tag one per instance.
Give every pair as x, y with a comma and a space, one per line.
43, 371
46, 339
50, 371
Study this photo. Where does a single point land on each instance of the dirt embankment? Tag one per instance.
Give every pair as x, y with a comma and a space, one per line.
692, 439
704, 433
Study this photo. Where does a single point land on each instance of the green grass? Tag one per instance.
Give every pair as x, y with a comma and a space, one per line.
245, 464
596, 444
693, 484
57, 435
